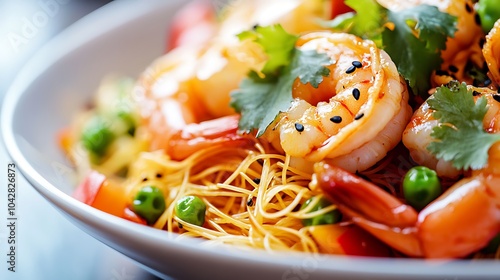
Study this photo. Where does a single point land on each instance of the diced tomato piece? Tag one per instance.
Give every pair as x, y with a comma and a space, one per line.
348, 240
357, 242
87, 190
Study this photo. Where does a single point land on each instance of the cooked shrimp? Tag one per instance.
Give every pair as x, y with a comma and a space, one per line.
461, 221
417, 135
463, 47
193, 84
360, 107
491, 52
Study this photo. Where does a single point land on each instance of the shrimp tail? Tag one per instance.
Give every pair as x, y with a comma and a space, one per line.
370, 207
196, 136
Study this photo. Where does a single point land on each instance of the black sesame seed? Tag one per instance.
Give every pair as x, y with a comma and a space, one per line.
442, 72
256, 180
357, 64
350, 69
468, 8
180, 225
477, 19
453, 68
299, 127
336, 119
144, 179
496, 97
476, 93
487, 82
255, 26
356, 93
359, 116
159, 175
250, 202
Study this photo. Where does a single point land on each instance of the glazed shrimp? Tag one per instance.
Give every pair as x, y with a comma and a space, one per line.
416, 138
360, 108
417, 135
465, 45
461, 221
192, 84
491, 52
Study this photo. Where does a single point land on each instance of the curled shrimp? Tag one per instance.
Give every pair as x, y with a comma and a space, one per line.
355, 116
491, 52
181, 93
459, 222
417, 135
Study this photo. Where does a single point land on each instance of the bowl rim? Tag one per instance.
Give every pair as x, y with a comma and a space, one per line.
128, 10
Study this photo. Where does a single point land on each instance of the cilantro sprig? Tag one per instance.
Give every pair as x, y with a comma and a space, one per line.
262, 96
460, 137
413, 37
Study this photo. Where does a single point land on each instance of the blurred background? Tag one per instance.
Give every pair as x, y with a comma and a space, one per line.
48, 245
26, 25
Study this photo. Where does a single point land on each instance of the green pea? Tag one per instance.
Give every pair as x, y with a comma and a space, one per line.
489, 13
331, 217
191, 209
149, 203
421, 186
128, 118
97, 136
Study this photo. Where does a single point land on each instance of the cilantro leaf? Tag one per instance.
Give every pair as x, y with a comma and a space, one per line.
260, 100
366, 22
460, 137
415, 43
412, 37
309, 66
277, 44
433, 25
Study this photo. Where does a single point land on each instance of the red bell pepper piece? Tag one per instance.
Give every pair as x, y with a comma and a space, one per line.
348, 240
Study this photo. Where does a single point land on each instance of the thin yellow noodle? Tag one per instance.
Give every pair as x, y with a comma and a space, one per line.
285, 167
224, 178
287, 209
306, 215
217, 227
218, 193
229, 205
297, 172
234, 188
202, 231
226, 217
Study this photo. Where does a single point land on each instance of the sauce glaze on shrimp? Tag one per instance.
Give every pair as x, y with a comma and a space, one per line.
361, 107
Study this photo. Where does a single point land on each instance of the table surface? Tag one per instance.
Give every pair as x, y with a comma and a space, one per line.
48, 245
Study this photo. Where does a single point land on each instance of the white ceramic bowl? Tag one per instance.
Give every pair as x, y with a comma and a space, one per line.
124, 37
